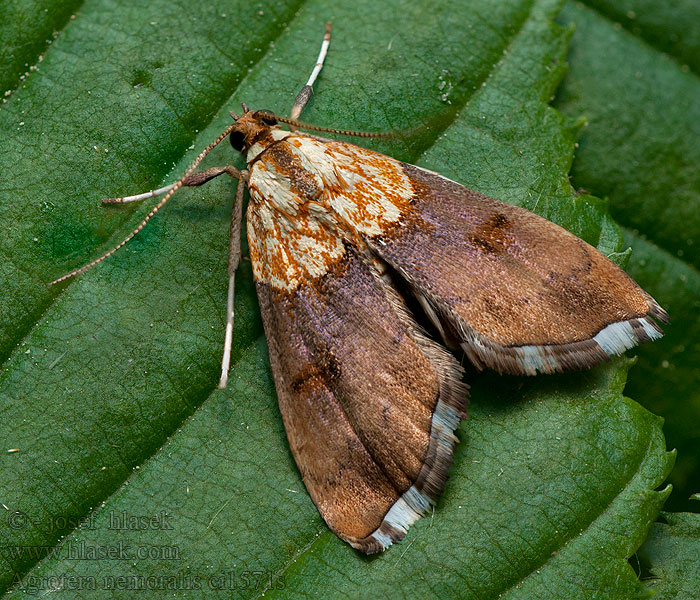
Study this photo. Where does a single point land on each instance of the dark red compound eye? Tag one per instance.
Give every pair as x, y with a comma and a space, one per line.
237, 140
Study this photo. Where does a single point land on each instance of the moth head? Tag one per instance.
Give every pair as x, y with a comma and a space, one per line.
250, 127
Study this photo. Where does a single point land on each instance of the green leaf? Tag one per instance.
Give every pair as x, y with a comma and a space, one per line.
108, 383
26, 31
641, 149
671, 553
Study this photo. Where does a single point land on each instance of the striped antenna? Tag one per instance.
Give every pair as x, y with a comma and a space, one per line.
364, 134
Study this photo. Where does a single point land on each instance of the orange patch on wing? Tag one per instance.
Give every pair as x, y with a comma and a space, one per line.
371, 190
285, 253
309, 196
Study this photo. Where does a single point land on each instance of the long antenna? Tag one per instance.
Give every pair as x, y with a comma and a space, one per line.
176, 186
364, 134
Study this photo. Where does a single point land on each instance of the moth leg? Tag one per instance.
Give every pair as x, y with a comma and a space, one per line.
234, 257
304, 95
169, 194
138, 197
195, 179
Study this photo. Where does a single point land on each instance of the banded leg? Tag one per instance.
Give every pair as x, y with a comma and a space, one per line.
234, 253
195, 179
234, 257
169, 194
304, 95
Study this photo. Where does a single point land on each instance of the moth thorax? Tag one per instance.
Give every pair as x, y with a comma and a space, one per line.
263, 140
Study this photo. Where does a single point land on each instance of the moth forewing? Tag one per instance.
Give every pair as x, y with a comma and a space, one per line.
525, 295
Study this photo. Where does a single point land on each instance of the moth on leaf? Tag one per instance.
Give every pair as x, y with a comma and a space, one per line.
339, 237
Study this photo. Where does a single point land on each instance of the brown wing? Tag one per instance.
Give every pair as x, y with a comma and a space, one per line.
369, 403
518, 292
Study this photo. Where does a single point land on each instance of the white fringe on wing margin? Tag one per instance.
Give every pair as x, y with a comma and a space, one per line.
618, 337
413, 504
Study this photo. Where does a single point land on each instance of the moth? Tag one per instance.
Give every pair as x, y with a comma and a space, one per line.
340, 239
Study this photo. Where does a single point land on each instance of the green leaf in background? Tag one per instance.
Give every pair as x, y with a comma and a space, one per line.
27, 28
671, 554
107, 388
641, 149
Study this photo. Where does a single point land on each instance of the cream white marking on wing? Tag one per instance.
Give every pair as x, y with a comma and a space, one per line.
360, 191
355, 181
618, 337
